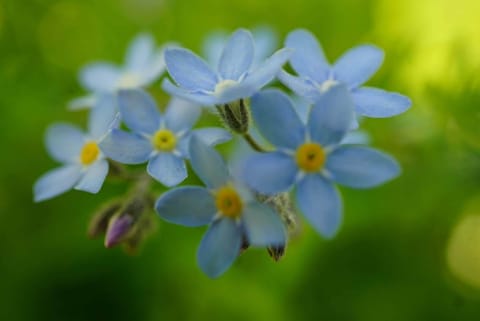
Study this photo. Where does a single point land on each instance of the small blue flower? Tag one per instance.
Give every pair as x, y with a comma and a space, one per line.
309, 156
85, 166
353, 69
265, 39
230, 210
162, 140
235, 78
144, 64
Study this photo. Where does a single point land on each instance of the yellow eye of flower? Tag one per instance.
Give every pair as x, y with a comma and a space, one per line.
164, 140
310, 157
89, 153
228, 202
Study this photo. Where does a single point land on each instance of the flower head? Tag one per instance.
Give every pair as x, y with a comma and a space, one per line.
353, 69
234, 78
85, 166
144, 63
231, 212
310, 157
156, 138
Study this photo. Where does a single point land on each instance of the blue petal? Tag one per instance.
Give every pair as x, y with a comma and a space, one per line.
207, 163
270, 173
56, 182
189, 71
331, 116
300, 86
320, 203
357, 65
220, 247
139, 111
199, 98
276, 119
308, 60
213, 46
237, 55
100, 77
168, 169
64, 142
361, 167
181, 115
266, 71
103, 117
263, 226
80, 103
188, 206
94, 177
373, 102
155, 68
357, 137
140, 52
126, 148
213, 135
266, 41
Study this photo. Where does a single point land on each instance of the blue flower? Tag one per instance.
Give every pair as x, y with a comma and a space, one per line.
144, 64
85, 166
353, 69
231, 212
310, 158
162, 140
235, 78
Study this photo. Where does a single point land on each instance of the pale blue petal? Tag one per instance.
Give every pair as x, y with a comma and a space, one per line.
262, 225
208, 164
168, 169
361, 167
308, 59
56, 182
126, 148
320, 203
199, 98
300, 86
187, 205
189, 71
270, 173
181, 114
213, 46
331, 116
139, 111
220, 247
266, 40
213, 135
140, 52
237, 55
94, 177
302, 107
373, 102
155, 68
357, 137
80, 103
357, 65
103, 116
64, 142
276, 119
100, 77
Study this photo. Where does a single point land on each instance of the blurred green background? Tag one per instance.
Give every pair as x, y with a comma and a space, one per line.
395, 257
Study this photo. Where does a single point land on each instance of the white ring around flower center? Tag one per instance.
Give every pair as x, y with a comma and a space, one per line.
224, 85
326, 85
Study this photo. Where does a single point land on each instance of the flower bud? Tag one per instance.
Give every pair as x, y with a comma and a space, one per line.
118, 229
236, 116
99, 222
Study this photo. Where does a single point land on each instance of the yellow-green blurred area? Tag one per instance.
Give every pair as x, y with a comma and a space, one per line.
408, 250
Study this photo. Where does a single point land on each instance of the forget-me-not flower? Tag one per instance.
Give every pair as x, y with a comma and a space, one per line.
353, 69
162, 140
85, 166
144, 63
309, 156
231, 212
234, 78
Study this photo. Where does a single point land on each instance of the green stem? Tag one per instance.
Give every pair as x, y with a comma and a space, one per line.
256, 146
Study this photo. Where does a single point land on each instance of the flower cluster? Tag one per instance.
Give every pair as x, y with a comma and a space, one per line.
300, 143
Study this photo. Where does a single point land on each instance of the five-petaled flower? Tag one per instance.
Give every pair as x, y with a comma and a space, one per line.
85, 166
230, 210
310, 158
234, 79
162, 140
353, 69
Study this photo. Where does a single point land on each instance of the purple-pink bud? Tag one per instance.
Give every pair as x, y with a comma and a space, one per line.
117, 229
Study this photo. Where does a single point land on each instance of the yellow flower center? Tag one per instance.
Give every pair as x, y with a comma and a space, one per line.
228, 202
89, 153
128, 80
164, 140
310, 157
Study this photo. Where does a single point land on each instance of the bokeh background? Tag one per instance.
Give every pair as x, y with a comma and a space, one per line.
409, 250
